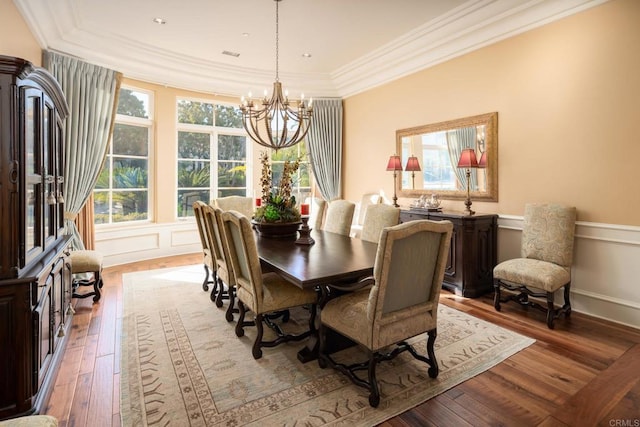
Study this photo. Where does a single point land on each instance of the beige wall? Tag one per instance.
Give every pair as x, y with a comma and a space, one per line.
568, 102
15, 37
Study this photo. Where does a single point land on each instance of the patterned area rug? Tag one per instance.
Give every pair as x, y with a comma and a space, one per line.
182, 364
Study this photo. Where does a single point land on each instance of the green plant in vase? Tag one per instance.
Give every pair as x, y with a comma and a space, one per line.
278, 205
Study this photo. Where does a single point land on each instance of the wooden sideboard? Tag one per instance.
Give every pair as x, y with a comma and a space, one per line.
35, 275
473, 251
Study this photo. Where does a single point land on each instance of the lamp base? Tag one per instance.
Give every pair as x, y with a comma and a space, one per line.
468, 210
305, 230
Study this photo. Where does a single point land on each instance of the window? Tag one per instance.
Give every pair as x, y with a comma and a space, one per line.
121, 193
301, 188
437, 172
210, 137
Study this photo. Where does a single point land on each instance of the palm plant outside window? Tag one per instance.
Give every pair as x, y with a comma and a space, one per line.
210, 136
121, 193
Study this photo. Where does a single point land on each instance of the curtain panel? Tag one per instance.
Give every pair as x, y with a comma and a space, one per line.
92, 94
324, 143
458, 140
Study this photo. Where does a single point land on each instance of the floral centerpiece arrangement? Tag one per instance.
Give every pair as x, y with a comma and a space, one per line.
277, 204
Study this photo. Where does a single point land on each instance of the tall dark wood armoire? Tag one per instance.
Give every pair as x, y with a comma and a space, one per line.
35, 278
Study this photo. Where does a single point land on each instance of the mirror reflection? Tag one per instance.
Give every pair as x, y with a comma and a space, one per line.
430, 155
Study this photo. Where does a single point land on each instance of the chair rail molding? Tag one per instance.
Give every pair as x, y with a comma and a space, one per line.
605, 268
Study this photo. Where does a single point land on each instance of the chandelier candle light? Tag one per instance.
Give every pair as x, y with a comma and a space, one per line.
270, 126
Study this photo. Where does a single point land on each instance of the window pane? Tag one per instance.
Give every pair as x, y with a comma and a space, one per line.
129, 206
103, 178
290, 153
232, 174
186, 199
192, 174
232, 147
304, 180
132, 103
129, 173
197, 113
228, 116
276, 173
130, 140
101, 207
193, 145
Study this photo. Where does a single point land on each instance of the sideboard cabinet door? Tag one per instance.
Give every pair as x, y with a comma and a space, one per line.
473, 251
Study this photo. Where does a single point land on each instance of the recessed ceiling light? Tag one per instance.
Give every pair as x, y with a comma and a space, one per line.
245, 34
159, 21
306, 55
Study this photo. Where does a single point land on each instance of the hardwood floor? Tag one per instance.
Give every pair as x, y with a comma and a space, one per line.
585, 372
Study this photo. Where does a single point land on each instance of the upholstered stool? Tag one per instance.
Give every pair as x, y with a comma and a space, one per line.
31, 421
87, 262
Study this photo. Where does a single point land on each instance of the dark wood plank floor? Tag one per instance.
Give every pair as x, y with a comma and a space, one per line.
585, 372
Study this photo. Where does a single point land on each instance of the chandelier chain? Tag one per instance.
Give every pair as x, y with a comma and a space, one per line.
277, 40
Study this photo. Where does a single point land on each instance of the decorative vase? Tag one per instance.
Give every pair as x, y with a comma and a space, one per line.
277, 230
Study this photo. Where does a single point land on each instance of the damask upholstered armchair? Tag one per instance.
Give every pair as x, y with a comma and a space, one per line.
225, 277
244, 205
376, 218
402, 303
544, 266
207, 249
339, 216
265, 294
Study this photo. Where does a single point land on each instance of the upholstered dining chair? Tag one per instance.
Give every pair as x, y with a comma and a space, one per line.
210, 268
402, 303
339, 216
544, 266
225, 277
377, 217
244, 205
318, 209
366, 200
262, 293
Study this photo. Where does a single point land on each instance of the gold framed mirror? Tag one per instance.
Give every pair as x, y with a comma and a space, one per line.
437, 148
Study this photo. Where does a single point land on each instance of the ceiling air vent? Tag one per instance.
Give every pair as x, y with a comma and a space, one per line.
234, 54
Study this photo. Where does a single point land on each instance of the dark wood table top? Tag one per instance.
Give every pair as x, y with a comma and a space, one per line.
333, 258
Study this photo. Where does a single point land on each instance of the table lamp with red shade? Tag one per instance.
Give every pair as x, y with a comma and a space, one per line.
468, 160
394, 164
413, 166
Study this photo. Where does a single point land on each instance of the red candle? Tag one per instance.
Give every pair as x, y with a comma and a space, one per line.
304, 209
258, 202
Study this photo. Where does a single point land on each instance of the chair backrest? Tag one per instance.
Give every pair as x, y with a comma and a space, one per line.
245, 262
409, 267
207, 244
367, 200
213, 216
548, 233
339, 216
244, 205
378, 217
318, 208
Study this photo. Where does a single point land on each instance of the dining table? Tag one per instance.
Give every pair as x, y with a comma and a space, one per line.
333, 262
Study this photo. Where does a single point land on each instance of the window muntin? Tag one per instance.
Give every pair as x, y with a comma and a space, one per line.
210, 136
121, 193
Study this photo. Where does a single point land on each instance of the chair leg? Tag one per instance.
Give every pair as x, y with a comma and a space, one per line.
434, 370
231, 307
567, 300
240, 324
220, 293
374, 395
256, 351
496, 296
97, 285
322, 346
205, 284
214, 290
551, 310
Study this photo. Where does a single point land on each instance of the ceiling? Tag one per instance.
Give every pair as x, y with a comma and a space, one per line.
354, 44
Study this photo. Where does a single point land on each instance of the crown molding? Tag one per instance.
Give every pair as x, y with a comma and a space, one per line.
475, 24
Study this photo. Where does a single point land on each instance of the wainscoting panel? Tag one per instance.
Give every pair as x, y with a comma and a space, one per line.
124, 245
606, 268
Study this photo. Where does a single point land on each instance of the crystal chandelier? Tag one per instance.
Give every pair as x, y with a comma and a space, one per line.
276, 125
